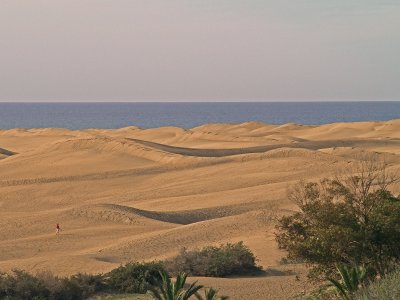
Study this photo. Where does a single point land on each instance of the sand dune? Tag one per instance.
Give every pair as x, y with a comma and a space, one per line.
116, 146
142, 194
195, 235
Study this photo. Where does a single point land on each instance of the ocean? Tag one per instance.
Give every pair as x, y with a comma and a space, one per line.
188, 115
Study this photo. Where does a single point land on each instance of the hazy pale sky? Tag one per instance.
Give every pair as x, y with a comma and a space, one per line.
177, 50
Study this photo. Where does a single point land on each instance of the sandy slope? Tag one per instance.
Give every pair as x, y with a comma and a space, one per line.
142, 194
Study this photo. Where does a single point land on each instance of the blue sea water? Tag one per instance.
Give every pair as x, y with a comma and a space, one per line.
188, 115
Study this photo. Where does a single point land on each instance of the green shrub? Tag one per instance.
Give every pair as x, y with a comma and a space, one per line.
21, 285
225, 260
60, 288
68, 290
88, 284
134, 277
79, 286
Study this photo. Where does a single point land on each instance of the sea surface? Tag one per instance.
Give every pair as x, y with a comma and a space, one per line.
188, 115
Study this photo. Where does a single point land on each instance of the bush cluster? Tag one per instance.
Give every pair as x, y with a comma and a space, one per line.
134, 277
225, 260
131, 278
228, 259
22, 285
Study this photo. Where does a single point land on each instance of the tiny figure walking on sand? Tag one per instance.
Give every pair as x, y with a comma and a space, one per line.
58, 228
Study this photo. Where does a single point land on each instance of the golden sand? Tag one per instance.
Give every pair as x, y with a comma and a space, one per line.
136, 194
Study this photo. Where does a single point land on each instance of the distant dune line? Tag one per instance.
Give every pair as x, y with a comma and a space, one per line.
220, 155
109, 174
90, 176
311, 145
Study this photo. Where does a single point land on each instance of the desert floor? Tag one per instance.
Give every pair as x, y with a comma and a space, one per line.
136, 194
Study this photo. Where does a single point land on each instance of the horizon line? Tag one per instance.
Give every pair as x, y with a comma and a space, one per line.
196, 101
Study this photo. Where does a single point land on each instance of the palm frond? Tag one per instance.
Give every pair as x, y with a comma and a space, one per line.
192, 290
340, 288
169, 290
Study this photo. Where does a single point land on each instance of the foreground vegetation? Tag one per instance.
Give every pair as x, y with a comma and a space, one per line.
137, 278
385, 288
347, 229
356, 288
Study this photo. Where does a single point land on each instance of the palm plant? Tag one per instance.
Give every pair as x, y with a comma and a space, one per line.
351, 280
169, 290
212, 294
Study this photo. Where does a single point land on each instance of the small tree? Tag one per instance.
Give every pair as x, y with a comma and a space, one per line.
351, 220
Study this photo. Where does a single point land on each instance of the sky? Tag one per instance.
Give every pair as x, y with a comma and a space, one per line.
199, 50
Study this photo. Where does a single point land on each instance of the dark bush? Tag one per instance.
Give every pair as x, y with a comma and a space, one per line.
134, 277
79, 286
88, 284
225, 260
68, 290
131, 278
21, 285
60, 288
